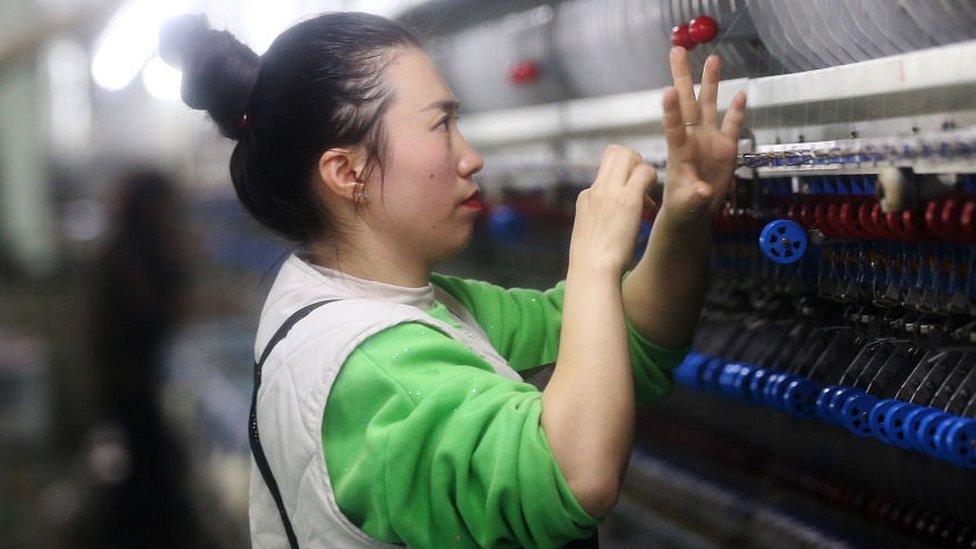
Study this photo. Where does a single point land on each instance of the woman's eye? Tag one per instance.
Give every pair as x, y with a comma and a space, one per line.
446, 122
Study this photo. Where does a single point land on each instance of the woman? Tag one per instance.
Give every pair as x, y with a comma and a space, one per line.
394, 412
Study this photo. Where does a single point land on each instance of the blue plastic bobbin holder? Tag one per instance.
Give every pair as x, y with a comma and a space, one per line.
926, 431
856, 412
830, 400
877, 418
799, 398
770, 392
783, 241
835, 406
895, 424
757, 384
956, 441
689, 371
823, 399
777, 390
913, 421
710, 373
742, 380
726, 378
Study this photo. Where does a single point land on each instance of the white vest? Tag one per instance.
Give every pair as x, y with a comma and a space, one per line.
298, 375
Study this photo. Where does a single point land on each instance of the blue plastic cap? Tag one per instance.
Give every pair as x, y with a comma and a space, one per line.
783, 241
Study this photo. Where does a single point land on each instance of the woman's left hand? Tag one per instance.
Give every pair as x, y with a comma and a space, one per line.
701, 156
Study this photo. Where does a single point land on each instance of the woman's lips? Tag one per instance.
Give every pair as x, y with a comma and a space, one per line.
472, 203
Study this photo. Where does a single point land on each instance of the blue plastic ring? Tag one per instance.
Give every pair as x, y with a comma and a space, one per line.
856, 411
783, 241
895, 424
877, 419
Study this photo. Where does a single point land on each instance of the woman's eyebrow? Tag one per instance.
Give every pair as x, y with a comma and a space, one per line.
446, 105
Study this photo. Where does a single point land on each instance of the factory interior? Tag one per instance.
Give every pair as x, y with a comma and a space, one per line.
829, 395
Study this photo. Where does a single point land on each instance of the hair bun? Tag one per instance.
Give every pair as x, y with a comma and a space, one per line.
219, 71
177, 35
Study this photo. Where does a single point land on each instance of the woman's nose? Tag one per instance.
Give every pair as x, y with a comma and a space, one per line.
470, 162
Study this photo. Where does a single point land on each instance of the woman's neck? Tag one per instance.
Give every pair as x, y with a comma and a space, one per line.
370, 259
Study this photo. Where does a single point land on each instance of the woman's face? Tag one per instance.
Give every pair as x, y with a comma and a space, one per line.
423, 205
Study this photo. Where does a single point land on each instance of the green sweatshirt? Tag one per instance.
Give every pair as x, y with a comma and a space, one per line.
427, 446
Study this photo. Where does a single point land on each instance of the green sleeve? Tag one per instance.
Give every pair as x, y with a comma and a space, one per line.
425, 445
523, 325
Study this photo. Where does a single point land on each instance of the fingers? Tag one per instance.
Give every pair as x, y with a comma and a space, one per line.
617, 164
639, 184
604, 169
690, 110
735, 116
708, 94
693, 197
674, 127
641, 179
650, 208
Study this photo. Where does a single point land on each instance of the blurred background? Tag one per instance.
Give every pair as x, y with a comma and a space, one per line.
131, 279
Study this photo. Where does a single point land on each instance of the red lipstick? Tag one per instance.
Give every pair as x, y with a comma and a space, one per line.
472, 202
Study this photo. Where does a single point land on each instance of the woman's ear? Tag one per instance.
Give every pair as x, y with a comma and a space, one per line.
341, 170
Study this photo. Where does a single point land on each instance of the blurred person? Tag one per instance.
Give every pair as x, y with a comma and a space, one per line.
141, 276
389, 403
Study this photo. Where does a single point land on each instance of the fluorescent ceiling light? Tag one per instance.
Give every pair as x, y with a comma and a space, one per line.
161, 80
129, 39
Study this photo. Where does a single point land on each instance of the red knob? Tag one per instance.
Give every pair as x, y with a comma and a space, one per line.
864, 219
932, 217
949, 220
832, 224
524, 72
681, 36
806, 215
703, 29
967, 221
879, 221
895, 228
820, 219
912, 226
850, 221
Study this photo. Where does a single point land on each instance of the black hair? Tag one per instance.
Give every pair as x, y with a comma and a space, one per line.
318, 86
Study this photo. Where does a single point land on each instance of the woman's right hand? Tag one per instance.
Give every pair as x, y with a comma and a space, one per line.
588, 405
608, 213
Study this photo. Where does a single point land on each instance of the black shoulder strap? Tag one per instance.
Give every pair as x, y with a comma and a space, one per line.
538, 376
259, 459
